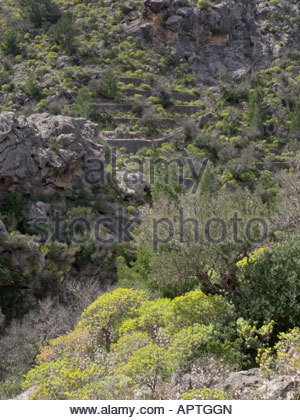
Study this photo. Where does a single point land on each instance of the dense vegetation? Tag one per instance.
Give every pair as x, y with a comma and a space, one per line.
189, 304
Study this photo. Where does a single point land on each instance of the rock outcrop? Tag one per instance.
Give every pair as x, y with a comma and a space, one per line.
223, 36
249, 384
244, 385
42, 153
44, 164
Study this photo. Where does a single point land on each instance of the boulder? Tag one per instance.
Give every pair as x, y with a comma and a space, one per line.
26, 395
244, 383
39, 210
174, 22
280, 388
132, 185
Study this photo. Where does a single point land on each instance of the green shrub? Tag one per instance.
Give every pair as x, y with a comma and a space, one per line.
295, 121
254, 338
270, 286
286, 353
170, 276
283, 359
163, 95
125, 347
148, 121
193, 342
146, 367
137, 274
111, 387
31, 87
138, 109
256, 114
39, 12
209, 184
65, 31
107, 313
151, 317
10, 389
11, 43
122, 341
197, 308
74, 345
15, 275
11, 280
109, 85
191, 130
84, 104
11, 204
58, 379
203, 4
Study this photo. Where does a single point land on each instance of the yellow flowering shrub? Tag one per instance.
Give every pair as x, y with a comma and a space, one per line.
196, 307
57, 380
103, 316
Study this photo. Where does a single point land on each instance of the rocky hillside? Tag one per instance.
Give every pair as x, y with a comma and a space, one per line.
104, 268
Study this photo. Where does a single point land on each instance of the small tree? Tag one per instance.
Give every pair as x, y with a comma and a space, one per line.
31, 87
109, 85
11, 43
165, 98
148, 121
283, 359
269, 286
147, 366
209, 184
163, 92
256, 115
64, 32
84, 105
295, 121
103, 316
39, 11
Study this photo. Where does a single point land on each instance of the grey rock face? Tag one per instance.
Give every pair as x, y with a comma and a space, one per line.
244, 385
39, 210
44, 152
230, 36
250, 385
281, 388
